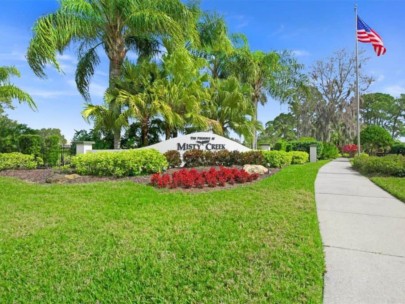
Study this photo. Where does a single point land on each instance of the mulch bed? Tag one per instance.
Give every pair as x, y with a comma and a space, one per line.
44, 176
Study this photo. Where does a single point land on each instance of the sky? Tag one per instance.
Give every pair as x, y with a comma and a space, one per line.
312, 30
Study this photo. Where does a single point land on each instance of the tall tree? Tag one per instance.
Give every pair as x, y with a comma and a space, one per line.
9, 92
270, 74
334, 79
385, 111
116, 26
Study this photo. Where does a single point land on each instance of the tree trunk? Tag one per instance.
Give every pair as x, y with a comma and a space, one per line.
167, 132
116, 55
117, 139
254, 141
144, 132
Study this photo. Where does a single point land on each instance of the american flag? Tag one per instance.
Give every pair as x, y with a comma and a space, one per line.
367, 35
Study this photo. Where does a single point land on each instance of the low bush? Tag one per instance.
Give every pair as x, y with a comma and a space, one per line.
276, 159
122, 163
390, 165
194, 158
281, 145
330, 151
299, 157
173, 158
398, 148
193, 179
304, 145
252, 158
18, 160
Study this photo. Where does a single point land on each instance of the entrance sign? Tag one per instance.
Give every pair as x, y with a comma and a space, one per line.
204, 141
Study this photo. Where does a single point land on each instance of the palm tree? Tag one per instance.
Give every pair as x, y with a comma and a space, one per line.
268, 74
230, 106
9, 92
116, 26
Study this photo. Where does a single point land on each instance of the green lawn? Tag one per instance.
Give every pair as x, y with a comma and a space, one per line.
394, 185
127, 243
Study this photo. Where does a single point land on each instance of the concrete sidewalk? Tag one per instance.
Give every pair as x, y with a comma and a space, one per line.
363, 233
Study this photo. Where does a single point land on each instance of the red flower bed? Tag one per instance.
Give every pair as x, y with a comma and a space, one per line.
193, 179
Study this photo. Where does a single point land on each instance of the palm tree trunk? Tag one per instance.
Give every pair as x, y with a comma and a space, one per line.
144, 132
167, 132
116, 55
254, 141
117, 139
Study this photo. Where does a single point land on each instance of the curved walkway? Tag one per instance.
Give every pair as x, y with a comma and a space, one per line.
363, 234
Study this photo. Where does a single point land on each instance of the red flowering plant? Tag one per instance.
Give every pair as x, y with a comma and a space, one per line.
351, 149
193, 179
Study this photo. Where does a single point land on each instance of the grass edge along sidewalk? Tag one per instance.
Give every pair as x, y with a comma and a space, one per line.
124, 242
394, 185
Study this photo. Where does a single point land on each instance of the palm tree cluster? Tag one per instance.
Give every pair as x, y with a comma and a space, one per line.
190, 74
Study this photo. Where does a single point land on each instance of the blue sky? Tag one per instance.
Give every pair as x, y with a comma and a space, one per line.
313, 30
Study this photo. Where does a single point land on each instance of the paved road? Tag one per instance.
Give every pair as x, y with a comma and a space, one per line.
363, 233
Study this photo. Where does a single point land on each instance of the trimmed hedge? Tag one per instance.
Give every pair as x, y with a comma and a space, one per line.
18, 160
30, 144
398, 148
304, 146
391, 165
122, 163
299, 157
277, 159
173, 158
274, 159
51, 150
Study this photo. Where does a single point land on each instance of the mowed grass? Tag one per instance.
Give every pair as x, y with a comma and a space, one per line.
121, 242
394, 185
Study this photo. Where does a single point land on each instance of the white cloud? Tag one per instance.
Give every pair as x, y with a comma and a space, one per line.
13, 56
300, 53
97, 90
66, 57
394, 90
47, 94
241, 21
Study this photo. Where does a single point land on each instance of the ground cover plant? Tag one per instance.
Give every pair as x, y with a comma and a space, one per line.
194, 179
394, 185
124, 242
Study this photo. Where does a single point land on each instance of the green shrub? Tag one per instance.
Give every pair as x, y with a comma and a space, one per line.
276, 159
122, 163
281, 145
391, 165
51, 150
30, 144
18, 160
173, 158
298, 145
252, 158
329, 151
375, 138
299, 157
194, 158
224, 158
398, 148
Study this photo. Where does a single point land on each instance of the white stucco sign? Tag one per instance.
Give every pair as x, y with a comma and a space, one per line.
205, 141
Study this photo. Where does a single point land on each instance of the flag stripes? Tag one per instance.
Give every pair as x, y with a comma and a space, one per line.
367, 35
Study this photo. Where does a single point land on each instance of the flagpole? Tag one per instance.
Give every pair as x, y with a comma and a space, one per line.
357, 82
